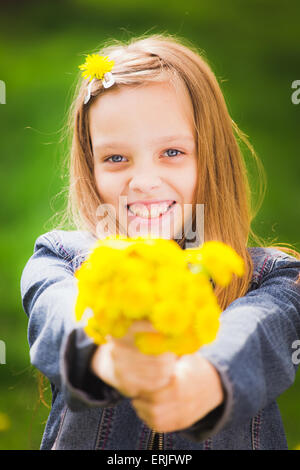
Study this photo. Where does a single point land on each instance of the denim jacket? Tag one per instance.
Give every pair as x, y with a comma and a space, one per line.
252, 354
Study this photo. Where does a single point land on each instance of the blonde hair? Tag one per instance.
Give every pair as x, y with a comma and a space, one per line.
223, 181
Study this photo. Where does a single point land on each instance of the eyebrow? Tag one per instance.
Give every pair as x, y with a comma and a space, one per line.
171, 138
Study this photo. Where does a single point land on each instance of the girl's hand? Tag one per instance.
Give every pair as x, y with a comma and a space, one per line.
120, 364
195, 389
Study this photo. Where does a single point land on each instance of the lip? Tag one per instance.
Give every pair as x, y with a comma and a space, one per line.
151, 220
152, 201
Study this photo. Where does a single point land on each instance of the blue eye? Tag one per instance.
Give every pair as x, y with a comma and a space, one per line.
118, 158
174, 151
114, 156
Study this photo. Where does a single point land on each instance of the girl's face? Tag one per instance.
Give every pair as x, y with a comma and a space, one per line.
145, 162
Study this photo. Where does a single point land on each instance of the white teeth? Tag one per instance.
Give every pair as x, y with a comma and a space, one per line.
155, 211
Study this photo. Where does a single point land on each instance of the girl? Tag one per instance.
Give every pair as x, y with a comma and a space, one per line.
151, 138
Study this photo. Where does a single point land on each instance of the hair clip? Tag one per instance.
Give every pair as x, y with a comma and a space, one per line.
97, 67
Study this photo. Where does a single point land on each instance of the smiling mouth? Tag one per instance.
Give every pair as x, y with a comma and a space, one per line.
154, 212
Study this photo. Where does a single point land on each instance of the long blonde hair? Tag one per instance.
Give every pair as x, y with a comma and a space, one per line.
223, 181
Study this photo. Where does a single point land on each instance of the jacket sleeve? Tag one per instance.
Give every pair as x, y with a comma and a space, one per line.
253, 351
59, 348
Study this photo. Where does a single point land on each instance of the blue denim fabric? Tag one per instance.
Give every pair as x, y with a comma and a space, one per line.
252, 353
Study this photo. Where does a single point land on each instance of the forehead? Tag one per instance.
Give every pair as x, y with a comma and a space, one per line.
152, 107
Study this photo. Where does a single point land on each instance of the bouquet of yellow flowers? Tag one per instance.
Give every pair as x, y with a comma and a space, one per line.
130, 279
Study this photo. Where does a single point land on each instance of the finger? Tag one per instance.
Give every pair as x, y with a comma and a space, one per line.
132, 380
144, 380
130, 354
131, 348
156, 419
147, 366
144, 410
141, 411
135, 327
141, 325
137, 379
131, 393
160, 395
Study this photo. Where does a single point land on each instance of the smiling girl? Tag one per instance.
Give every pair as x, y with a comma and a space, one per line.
147, 156
153, 140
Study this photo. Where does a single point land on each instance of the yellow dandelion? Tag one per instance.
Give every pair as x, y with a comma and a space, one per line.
221, 261
151, 343
171, 282
125, 280
207, 323
158, 252
115, 242
80, 306
193, 255
96, 66
169, 318
187, 343
120, 327
94, 331
201, 290
101, 321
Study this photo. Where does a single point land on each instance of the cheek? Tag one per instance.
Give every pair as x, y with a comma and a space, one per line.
193, 188
190, 184
107, 186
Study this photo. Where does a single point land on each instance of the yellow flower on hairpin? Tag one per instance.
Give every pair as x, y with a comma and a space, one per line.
96, 66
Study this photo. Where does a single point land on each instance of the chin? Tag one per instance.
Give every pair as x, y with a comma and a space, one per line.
167, 233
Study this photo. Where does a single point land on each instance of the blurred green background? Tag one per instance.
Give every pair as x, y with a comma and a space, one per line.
254, 50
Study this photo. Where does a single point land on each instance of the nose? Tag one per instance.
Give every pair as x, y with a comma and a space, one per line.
144, 183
